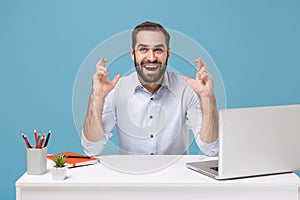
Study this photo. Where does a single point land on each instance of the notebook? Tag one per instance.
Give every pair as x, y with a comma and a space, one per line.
255, 141
76, 159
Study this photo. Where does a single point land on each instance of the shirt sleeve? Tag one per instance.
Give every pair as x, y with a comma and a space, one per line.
93, 148
194, 123
108, 122
209, 149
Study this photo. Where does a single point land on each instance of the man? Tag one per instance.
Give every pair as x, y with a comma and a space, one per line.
153, 109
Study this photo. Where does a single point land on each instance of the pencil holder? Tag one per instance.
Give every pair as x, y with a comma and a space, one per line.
36, 161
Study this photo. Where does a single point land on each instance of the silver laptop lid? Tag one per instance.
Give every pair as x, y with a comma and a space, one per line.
259, 140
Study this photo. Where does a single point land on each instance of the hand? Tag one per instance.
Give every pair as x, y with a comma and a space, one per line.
203, 86
101, 84
203, 83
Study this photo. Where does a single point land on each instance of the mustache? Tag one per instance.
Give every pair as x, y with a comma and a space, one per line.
149, 62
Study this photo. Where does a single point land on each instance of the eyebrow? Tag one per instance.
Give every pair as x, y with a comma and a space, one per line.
155, 46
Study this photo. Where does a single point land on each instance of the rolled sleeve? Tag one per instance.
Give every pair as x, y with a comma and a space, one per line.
209, 149
93, 148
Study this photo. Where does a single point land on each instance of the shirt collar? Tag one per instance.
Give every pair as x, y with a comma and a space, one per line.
137, 84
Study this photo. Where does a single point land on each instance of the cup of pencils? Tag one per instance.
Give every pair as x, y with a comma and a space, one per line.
37, 154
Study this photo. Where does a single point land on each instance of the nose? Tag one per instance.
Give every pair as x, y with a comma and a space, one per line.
151, 55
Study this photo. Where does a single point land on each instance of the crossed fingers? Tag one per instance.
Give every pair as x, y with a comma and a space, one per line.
202, 73
101, 69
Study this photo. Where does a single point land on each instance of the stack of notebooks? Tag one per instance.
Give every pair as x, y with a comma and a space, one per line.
75, 159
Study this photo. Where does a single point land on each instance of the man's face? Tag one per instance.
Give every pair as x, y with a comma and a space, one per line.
150, 56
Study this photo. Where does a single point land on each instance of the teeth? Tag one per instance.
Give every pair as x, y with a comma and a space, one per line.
151, 67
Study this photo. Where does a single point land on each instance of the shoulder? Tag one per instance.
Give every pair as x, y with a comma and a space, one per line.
126, 84
128, 78
128, 81
177, 83
182, 89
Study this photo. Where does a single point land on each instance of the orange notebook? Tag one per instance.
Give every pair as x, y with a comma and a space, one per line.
76, 159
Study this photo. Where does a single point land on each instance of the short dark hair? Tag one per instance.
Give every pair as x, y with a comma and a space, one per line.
149, 26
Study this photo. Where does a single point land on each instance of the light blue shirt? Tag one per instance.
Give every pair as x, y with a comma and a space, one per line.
148, 123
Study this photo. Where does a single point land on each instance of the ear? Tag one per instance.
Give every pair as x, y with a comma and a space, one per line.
132, 53
169, 53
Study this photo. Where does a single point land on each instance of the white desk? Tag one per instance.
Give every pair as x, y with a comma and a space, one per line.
172, 182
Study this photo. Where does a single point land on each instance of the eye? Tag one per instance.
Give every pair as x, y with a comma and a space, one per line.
142, 50
158, 50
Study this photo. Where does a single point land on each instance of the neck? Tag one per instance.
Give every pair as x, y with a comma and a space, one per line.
152, 87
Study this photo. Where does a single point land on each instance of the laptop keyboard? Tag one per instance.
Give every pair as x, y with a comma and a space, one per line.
214, 168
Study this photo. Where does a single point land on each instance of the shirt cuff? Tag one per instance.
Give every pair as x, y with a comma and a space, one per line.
93, 148
209, 149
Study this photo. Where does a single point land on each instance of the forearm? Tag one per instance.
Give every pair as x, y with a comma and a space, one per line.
210, 122
93, 127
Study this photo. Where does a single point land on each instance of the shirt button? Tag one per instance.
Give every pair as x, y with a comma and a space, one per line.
150, 116
151, 98
151, 136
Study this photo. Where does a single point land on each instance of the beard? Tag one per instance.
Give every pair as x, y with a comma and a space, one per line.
144, 66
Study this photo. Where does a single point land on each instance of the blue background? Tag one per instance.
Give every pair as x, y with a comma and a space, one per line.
255, 44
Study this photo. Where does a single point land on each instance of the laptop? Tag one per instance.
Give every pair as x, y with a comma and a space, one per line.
255, 141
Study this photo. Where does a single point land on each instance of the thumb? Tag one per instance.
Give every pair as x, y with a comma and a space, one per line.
116, 79
187, 79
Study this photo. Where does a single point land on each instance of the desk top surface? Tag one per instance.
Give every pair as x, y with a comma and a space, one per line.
156, 171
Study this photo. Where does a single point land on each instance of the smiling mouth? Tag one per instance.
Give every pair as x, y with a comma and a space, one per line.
150, 67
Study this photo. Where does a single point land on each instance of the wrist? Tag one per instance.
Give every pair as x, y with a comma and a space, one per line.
208, 99
97, 96
96, 103
208, 103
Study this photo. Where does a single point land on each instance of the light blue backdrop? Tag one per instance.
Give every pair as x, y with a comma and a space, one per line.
255, 44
